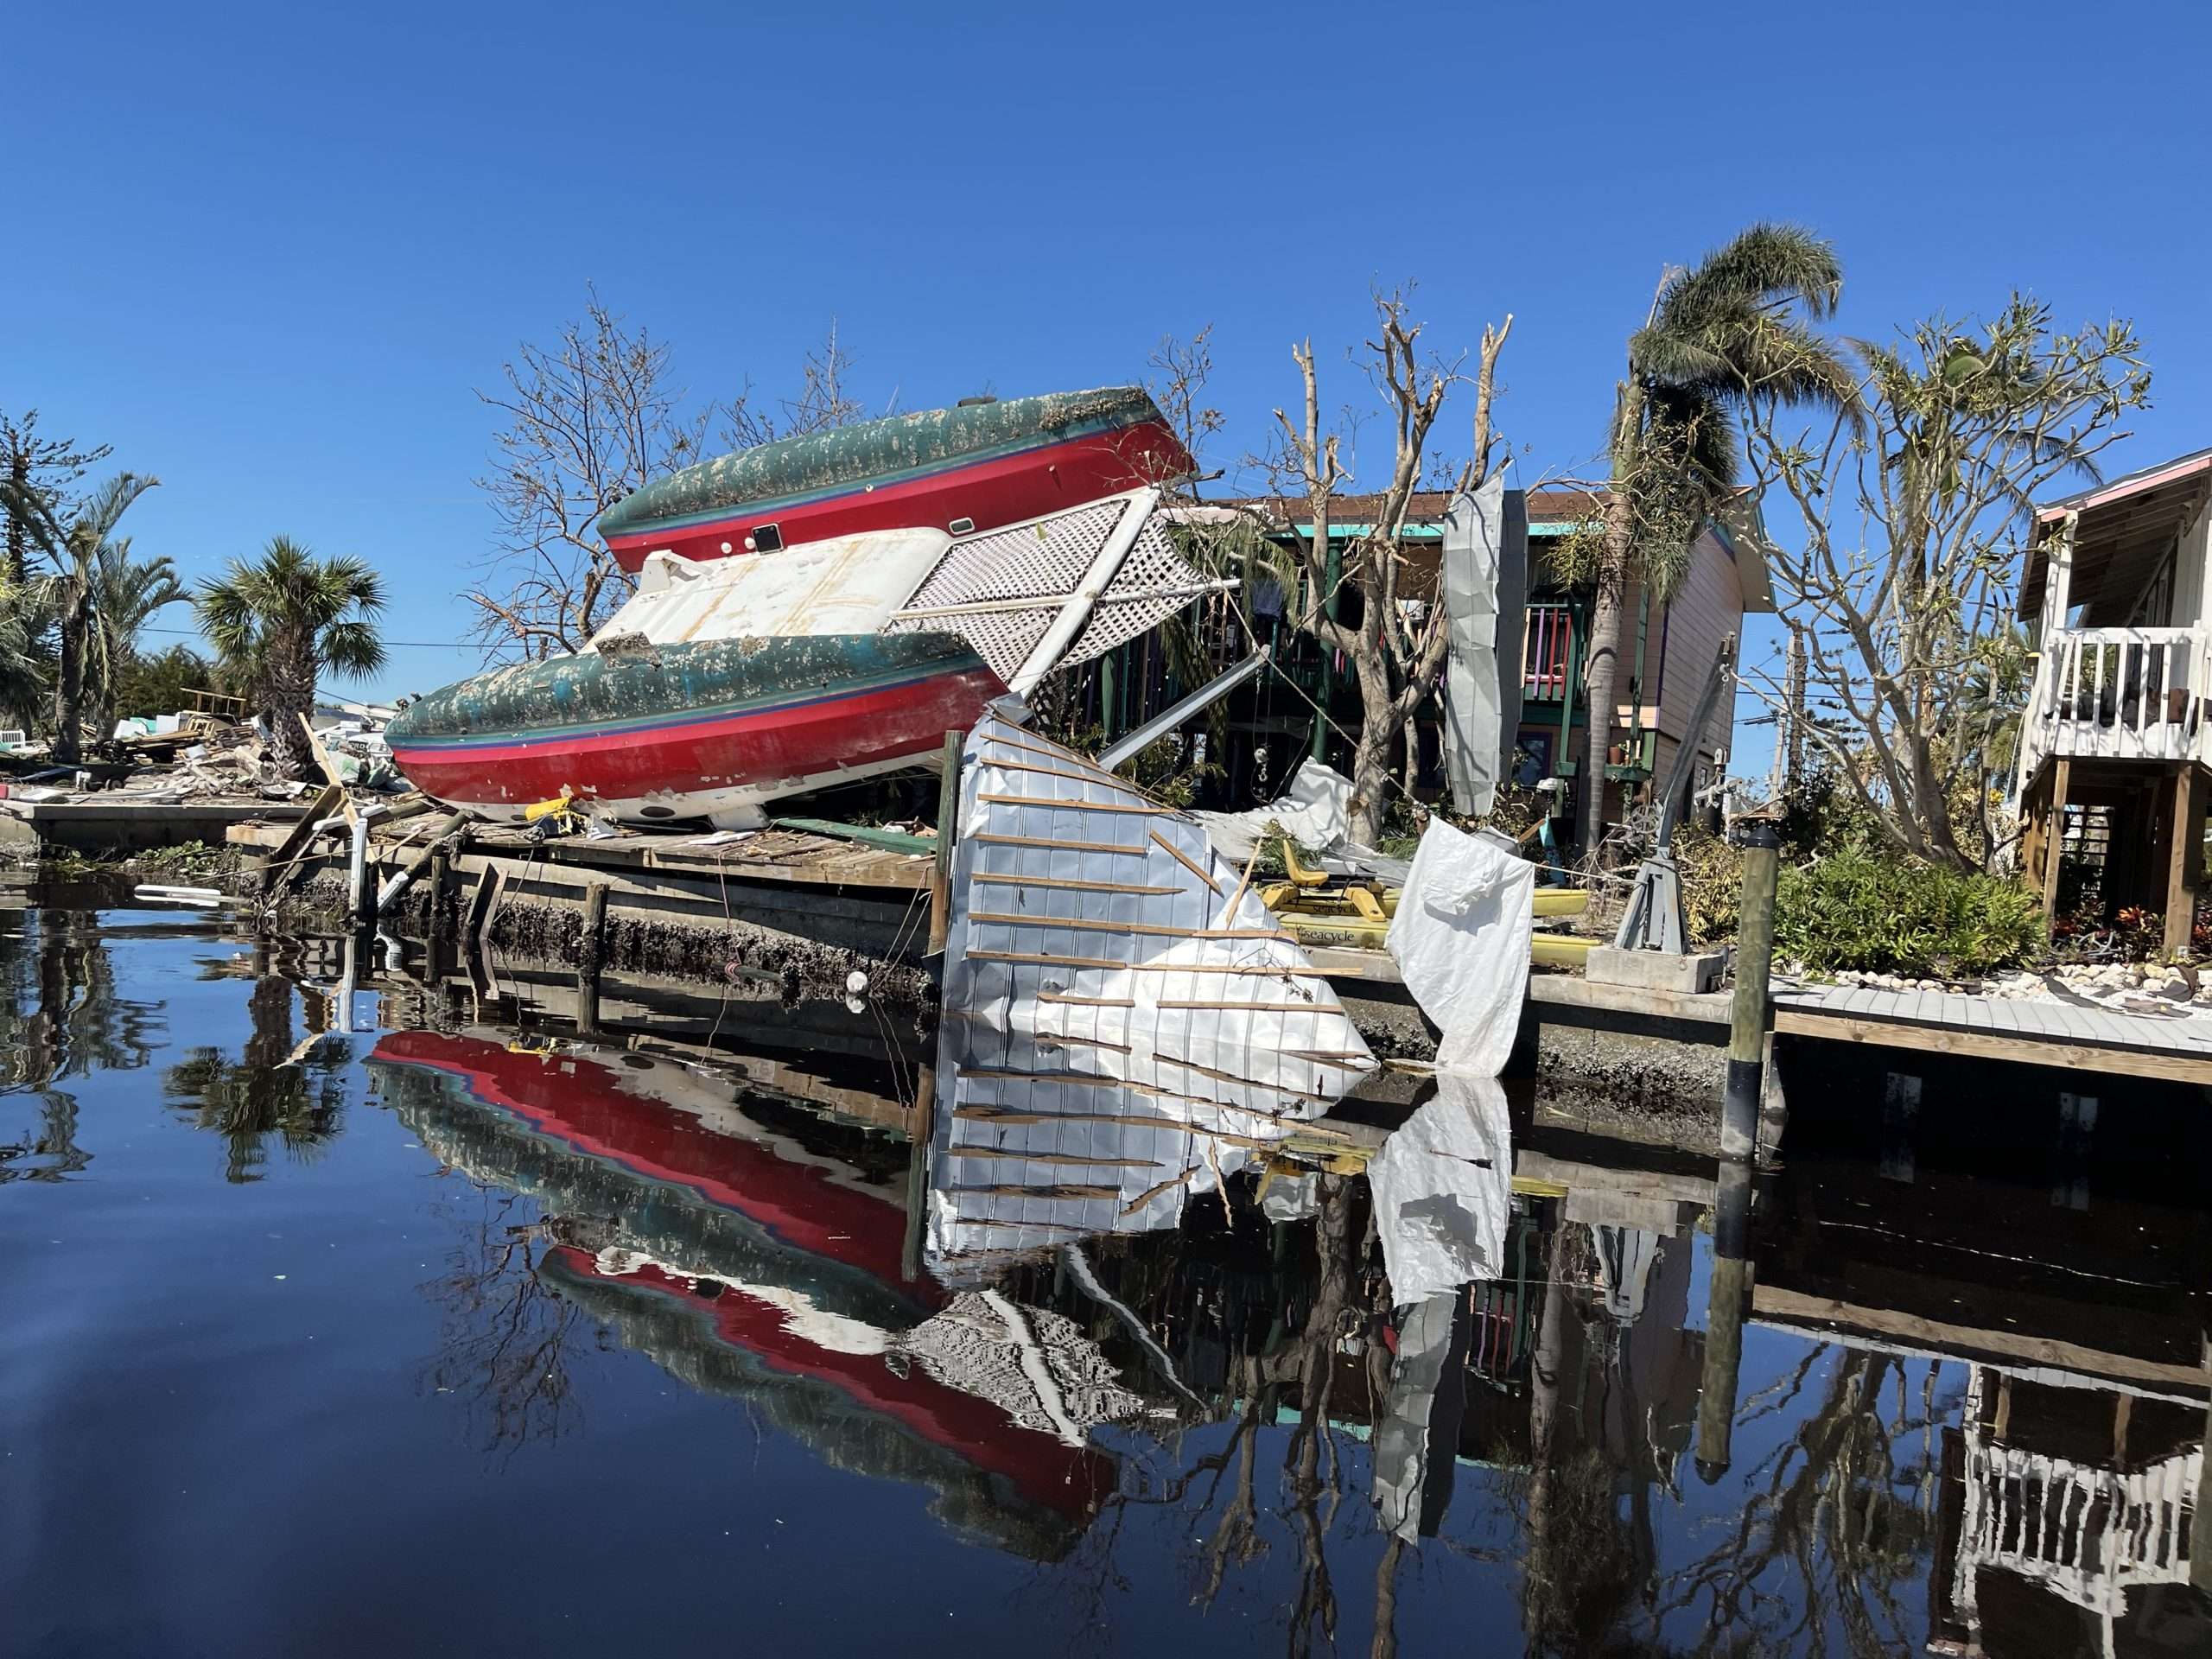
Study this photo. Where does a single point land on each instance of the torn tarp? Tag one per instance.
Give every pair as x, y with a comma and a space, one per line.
1443, 1187
1461, 939
1315, 811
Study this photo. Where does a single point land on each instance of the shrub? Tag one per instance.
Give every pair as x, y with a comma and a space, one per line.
1857, 909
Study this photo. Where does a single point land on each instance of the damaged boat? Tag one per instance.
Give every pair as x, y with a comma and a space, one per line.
979, 465
718, 688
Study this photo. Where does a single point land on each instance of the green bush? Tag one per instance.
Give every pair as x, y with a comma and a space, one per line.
1857, 909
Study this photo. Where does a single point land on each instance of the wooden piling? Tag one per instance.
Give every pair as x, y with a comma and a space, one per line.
948, 810
917, 1172
1728, 1300
591, 955
1751, 1013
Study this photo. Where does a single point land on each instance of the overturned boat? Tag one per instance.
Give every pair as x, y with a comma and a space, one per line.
718, 688
981, 466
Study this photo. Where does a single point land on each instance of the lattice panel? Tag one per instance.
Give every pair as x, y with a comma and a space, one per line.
1050, 558
1027, 562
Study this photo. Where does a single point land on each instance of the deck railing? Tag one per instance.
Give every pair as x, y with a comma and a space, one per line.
2120, 693
1547, 644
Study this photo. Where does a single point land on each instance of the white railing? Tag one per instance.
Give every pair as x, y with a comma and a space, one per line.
2120, 693
2090, 1534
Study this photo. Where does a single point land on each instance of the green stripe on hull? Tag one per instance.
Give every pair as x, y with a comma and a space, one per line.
591, 694
823, 462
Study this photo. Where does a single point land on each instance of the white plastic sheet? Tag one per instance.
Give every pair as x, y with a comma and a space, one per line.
1443, 1188
1314, 811
1461, 939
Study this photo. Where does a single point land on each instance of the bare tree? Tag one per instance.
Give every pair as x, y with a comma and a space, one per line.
1901, 571
590, 420
36, 470
824, 401
1396, 652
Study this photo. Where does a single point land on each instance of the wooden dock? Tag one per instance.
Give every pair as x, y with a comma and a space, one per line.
119, 824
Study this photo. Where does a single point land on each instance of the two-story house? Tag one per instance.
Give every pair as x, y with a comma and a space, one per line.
2115, 741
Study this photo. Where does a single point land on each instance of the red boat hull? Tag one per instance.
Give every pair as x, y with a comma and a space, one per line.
989, 494
710, 761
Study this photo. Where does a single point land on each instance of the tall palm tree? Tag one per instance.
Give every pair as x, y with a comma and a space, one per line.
285, 620
1730, 329
69, 596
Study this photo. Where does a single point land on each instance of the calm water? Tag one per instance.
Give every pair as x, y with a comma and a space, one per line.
380, 1329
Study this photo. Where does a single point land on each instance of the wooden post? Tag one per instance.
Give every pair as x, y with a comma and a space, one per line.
922, 1126
591, 953
1728, 1298
948, 812
1751, 1016
2185, 856
2054, 834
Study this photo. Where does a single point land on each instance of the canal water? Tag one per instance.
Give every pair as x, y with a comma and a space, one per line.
343, 1315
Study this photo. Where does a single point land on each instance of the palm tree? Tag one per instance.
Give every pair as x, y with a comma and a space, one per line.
1720, 334
127, 593
69, 597
285, 620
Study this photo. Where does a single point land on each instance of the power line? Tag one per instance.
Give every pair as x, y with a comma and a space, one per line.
428, 645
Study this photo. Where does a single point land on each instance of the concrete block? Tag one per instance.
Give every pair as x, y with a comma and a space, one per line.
1655, 971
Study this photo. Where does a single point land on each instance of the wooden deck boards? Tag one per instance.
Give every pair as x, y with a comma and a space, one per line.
2036, 1032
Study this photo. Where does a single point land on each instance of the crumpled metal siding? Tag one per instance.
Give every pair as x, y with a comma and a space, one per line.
1087, 1082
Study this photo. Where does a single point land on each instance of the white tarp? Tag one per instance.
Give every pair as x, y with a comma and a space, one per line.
1315, 811
1443, 1188
1461, 939
1485, 574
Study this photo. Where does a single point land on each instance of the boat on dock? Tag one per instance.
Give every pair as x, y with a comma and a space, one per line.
979, 465
719, 687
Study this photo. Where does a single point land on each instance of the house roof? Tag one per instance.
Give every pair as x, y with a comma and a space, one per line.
2124, 529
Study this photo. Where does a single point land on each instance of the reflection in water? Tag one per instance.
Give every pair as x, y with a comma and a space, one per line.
1456, 1368
61, 1017
295, 1091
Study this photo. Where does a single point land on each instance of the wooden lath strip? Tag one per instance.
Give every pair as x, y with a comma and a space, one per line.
1151, 929
1349, 1057
1187, 862
1100, 781
1002, 1190
1173, 1125
1150, 1193
1036, 959
1086, 1042
1065, 885
1150, 1091
1044, 746
988, 840
1047, 802
1057, 1157
1089, 1001
1249, 1007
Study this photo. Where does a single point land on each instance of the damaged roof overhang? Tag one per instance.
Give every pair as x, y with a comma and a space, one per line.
2124, 529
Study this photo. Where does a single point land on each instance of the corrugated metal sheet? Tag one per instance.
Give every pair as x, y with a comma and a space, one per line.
1124, 1024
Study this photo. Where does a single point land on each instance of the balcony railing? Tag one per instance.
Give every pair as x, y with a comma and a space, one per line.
2120, 693
1546, 651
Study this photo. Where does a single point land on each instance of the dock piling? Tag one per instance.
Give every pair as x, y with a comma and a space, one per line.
591, 955
1728, 1296
1751, 1013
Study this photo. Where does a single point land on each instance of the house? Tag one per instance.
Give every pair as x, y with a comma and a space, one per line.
1666, 653
2116, 740
1668, 649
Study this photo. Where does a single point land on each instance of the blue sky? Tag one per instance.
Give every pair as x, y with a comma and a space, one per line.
270, 251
